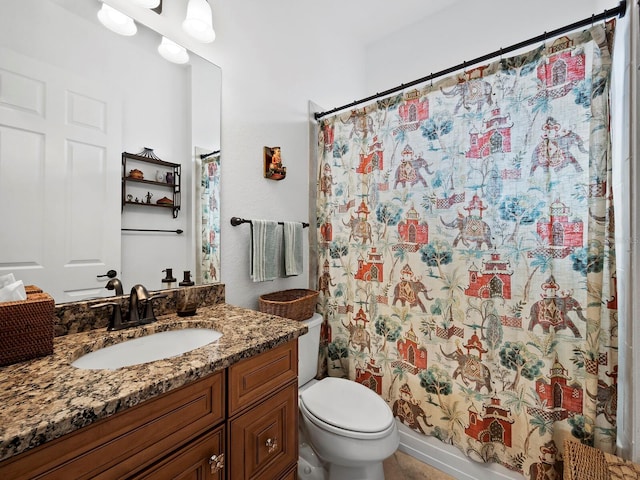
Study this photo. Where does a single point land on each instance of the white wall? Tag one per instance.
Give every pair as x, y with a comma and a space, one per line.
268, 77
626, 187
465, 30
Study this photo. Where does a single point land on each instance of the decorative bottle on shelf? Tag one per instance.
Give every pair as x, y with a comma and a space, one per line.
187, 300
159, 176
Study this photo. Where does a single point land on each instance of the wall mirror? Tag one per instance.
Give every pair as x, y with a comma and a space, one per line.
73, 97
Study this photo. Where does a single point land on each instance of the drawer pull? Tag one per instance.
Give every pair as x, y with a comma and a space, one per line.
216, 462
271, 444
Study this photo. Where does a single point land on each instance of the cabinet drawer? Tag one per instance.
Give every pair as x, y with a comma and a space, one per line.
255, 377
202, 459
264, 440
126, 442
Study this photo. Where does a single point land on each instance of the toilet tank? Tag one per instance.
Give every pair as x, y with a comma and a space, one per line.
308, 347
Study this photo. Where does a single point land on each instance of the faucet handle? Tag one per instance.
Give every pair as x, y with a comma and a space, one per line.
157, 295
148, 306
115, 321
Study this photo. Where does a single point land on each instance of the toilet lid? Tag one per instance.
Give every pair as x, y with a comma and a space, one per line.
347, 405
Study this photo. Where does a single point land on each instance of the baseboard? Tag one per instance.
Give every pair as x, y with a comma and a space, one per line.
448, 458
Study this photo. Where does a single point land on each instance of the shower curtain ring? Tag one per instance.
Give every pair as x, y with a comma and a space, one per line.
593, 16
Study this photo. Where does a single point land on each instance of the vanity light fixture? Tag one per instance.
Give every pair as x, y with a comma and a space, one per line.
198, 23
116, 21
172, 51
147, 3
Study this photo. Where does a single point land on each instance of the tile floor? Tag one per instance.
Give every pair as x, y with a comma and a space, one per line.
401, 466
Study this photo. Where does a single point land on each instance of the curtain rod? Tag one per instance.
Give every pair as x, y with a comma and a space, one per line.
205, 155
235, 221
619, 10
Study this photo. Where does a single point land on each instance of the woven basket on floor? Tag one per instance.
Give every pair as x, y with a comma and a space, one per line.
582, 462
295, 304
26, 327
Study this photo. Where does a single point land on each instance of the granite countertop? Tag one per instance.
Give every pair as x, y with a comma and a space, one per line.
46, 398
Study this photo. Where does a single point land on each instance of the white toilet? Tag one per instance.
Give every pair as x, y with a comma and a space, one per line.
346, 430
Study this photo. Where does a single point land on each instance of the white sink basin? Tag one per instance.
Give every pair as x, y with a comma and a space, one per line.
150, 348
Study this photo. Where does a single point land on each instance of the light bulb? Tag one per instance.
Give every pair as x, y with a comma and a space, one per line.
116, 21
172, 51
198, 22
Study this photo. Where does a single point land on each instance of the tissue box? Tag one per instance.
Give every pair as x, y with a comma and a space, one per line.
26, 327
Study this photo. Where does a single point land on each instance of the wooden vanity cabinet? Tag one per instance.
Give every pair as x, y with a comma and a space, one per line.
236, 424
262, 427
125, 443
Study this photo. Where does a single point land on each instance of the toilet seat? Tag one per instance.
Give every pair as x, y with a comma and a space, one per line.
346, 408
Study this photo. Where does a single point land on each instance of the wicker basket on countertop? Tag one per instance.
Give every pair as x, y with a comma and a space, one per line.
26, 327
295, 304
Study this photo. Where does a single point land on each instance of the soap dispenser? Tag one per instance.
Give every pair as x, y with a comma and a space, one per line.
169, 280
187, 301
186, 281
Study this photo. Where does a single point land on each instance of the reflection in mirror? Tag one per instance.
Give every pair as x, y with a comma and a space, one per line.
207, 205
73, 97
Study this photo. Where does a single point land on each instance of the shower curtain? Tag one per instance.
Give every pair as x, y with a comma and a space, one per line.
208, 218
466, 254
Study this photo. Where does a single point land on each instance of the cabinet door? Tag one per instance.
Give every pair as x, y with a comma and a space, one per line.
203, 459
256, 377
264, 440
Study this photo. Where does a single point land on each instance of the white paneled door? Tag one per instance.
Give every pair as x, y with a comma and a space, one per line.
60, 143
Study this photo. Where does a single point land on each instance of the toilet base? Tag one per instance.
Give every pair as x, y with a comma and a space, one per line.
372, 471
310, 467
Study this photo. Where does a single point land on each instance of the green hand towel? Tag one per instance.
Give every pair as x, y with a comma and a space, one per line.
264, 250
292, 246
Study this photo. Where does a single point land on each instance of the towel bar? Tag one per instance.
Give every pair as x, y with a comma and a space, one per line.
235, 221
178, 231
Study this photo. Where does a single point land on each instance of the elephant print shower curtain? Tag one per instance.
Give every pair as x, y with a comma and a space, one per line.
466, 254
